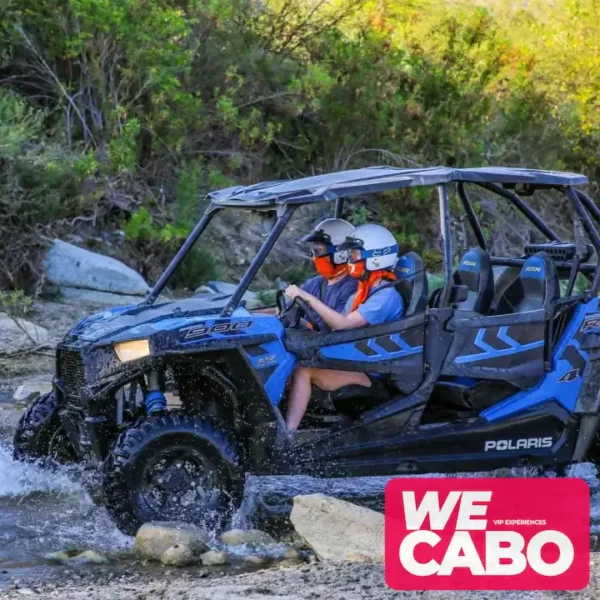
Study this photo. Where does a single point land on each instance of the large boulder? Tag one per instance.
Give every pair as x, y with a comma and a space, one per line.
71, 266
154, 539
339, 530
16, 333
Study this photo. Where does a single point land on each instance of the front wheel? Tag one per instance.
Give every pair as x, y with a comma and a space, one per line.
172, 468
40, 434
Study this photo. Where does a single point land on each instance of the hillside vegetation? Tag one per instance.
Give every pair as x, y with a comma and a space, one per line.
122, 114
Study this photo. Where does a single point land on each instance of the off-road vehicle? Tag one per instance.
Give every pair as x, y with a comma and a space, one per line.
499, 367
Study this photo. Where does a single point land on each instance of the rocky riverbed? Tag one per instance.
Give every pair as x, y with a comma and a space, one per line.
326, 581
44, 512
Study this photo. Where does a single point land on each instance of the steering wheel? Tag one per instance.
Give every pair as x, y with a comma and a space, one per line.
291, 313
309, 313
282, 304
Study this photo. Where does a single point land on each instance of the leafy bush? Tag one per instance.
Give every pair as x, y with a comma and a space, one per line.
40, 182
164, 101
15, 303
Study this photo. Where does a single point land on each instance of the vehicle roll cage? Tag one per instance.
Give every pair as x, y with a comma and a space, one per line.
282, 199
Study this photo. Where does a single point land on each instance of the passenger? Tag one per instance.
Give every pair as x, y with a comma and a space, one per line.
373, 255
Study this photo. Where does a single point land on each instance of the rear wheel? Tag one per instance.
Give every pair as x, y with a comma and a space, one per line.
172, 468
40, 434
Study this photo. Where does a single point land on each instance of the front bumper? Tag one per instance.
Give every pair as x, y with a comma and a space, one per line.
85, 384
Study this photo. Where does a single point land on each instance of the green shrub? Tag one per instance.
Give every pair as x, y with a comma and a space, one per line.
197, 268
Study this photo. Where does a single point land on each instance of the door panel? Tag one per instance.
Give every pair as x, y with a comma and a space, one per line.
507, 347
394, 349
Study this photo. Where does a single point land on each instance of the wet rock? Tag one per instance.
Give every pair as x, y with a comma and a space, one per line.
78, 557
180, 555
154, 539
74, 267
204, 289
290, 563
504, 472
339, 530
89, 557
62, 556
291, 558
213, 557
17, 333
28, 392
291, 553
253, 538
253, 559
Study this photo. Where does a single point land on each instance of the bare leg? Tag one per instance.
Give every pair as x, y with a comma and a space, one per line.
325, 379
299, 397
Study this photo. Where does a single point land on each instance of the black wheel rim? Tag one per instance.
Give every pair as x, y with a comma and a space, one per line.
60, 448
181, 483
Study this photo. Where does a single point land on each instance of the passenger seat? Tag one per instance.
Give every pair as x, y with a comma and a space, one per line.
475, 272
413, 288
540, 283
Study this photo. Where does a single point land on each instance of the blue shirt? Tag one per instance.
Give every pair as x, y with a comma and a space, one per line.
380, 307
336, 295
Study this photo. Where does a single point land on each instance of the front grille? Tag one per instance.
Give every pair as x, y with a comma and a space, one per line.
71, 372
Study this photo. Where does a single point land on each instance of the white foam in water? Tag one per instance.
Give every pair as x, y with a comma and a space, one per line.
20, 479
44, 510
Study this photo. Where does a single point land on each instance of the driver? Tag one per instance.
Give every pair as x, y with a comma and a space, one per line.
332, 285
373, 255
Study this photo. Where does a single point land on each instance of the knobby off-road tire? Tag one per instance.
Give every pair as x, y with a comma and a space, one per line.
172, 468
40, 434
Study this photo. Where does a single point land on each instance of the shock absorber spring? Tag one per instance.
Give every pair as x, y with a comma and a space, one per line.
155, 400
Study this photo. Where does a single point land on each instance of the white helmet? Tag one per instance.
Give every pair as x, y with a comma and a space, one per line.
378, 247
332, 233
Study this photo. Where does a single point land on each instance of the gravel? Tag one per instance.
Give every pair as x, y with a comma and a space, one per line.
327, 581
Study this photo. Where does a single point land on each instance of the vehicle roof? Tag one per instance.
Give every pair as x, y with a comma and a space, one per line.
378, 179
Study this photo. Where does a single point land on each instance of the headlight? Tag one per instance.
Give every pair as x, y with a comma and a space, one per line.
127, 351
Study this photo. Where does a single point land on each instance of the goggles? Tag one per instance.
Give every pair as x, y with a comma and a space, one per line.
357, 253
323, 250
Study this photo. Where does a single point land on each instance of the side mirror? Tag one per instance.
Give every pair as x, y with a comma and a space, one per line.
267, 222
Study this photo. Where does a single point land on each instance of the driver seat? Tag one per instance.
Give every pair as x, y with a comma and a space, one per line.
350, 401
413, 286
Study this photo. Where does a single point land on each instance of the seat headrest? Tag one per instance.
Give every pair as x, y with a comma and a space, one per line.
540, 282
475, 272
410, 270
408, 265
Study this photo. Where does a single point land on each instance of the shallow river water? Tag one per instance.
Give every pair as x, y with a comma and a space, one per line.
46, 511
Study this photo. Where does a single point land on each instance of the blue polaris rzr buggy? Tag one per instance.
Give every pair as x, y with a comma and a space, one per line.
500, 367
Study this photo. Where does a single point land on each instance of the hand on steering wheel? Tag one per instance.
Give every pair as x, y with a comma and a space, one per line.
290, 313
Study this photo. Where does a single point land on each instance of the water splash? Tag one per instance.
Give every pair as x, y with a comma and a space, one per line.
22, 479
45, 510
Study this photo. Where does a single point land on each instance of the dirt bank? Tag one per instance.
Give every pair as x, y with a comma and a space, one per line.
326, 581
57, 318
